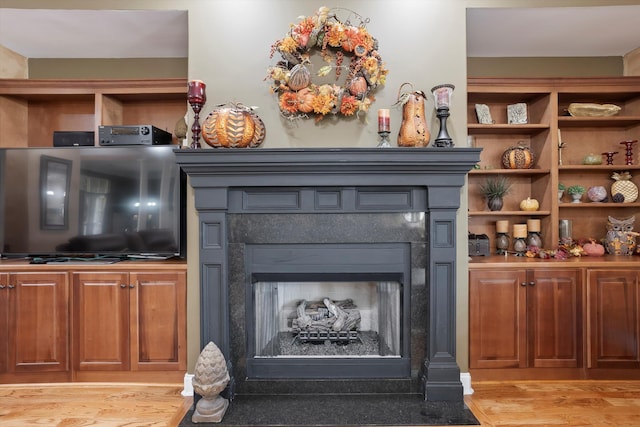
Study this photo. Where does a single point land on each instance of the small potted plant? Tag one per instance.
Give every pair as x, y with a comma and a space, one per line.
576, 192
494, 189
561, 188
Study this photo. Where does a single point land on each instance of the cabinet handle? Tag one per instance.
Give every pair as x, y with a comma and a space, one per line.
131, 286
11, 286
122, 285
523, 284
532, 283
2, 286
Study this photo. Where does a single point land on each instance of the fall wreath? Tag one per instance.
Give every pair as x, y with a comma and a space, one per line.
336, 41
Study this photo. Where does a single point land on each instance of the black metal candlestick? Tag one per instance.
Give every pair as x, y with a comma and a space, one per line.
443, 139
442, 95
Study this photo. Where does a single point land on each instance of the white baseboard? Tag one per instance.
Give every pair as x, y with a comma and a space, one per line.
188, 385
465, 378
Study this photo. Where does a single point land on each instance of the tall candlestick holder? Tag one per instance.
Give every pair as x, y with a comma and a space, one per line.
384, 140
197, 97
609, 155
442, 95
629, 147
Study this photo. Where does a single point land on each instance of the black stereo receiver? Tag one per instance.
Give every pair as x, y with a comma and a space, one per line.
133, 135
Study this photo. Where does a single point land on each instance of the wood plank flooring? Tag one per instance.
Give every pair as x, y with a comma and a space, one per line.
499, 403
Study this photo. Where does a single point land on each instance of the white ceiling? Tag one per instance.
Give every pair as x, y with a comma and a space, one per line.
491, 32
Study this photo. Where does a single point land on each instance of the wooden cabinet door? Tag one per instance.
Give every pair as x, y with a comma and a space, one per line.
158, 321
497, 319
38, 322
554, 301
614, 304
101, 321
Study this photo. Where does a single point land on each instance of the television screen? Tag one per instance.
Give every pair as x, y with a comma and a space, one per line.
125, 201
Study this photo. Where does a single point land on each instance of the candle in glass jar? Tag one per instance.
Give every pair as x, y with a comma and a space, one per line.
384, 124
196, 91
502, 226
519, 230
533, 225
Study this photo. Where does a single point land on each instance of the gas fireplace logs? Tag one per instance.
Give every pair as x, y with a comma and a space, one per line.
326, 320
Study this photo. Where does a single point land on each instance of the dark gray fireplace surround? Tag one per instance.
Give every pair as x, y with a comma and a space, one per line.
231, 187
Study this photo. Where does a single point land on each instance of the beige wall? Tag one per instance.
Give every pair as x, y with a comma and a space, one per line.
421, 41
632, 63
12, 65
101, 68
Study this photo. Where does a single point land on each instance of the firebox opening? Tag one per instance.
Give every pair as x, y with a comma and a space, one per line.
327, 319
344, 319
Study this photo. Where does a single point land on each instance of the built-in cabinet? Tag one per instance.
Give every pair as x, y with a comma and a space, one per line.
34, 322
525, 318
533, 319
31, 110
614, 318
124, 322
559, 143
120, 322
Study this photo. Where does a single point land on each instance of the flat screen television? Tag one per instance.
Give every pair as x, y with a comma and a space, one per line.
123, 202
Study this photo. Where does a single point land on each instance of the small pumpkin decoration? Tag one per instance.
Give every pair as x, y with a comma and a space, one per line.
233, 126
593, 248
305, 100
518, 157
358, 87
529, 204
299, 77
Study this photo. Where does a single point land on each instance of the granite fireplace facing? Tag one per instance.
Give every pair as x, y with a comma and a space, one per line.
374, 225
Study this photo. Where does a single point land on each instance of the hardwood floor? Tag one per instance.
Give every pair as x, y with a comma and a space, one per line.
500, 403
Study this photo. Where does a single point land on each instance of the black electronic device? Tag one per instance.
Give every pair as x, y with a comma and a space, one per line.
133, 135
73, 138
126, 202
478, 245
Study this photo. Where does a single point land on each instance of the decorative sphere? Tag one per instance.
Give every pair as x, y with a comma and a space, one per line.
597, 193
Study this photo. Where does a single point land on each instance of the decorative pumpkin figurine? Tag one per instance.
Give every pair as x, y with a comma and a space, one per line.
233, 126
518, 157
620, 238
529, 204
299, 77
593, 248
592, 159
413, 129
624, 186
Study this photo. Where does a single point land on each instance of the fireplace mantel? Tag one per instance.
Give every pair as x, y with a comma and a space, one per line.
436, 173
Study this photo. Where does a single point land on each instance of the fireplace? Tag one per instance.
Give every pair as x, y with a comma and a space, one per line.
290, 237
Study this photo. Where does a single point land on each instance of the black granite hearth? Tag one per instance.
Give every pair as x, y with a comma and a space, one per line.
340, 410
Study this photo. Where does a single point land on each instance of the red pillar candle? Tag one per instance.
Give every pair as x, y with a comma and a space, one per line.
384, 124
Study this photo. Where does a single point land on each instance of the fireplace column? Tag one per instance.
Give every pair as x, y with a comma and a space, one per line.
440, 374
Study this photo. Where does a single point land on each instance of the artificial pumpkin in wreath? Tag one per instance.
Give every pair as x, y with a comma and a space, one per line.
233, 126
518, 157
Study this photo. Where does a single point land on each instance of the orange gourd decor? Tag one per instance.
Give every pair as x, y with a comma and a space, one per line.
233, 126
518, 157
413, 129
